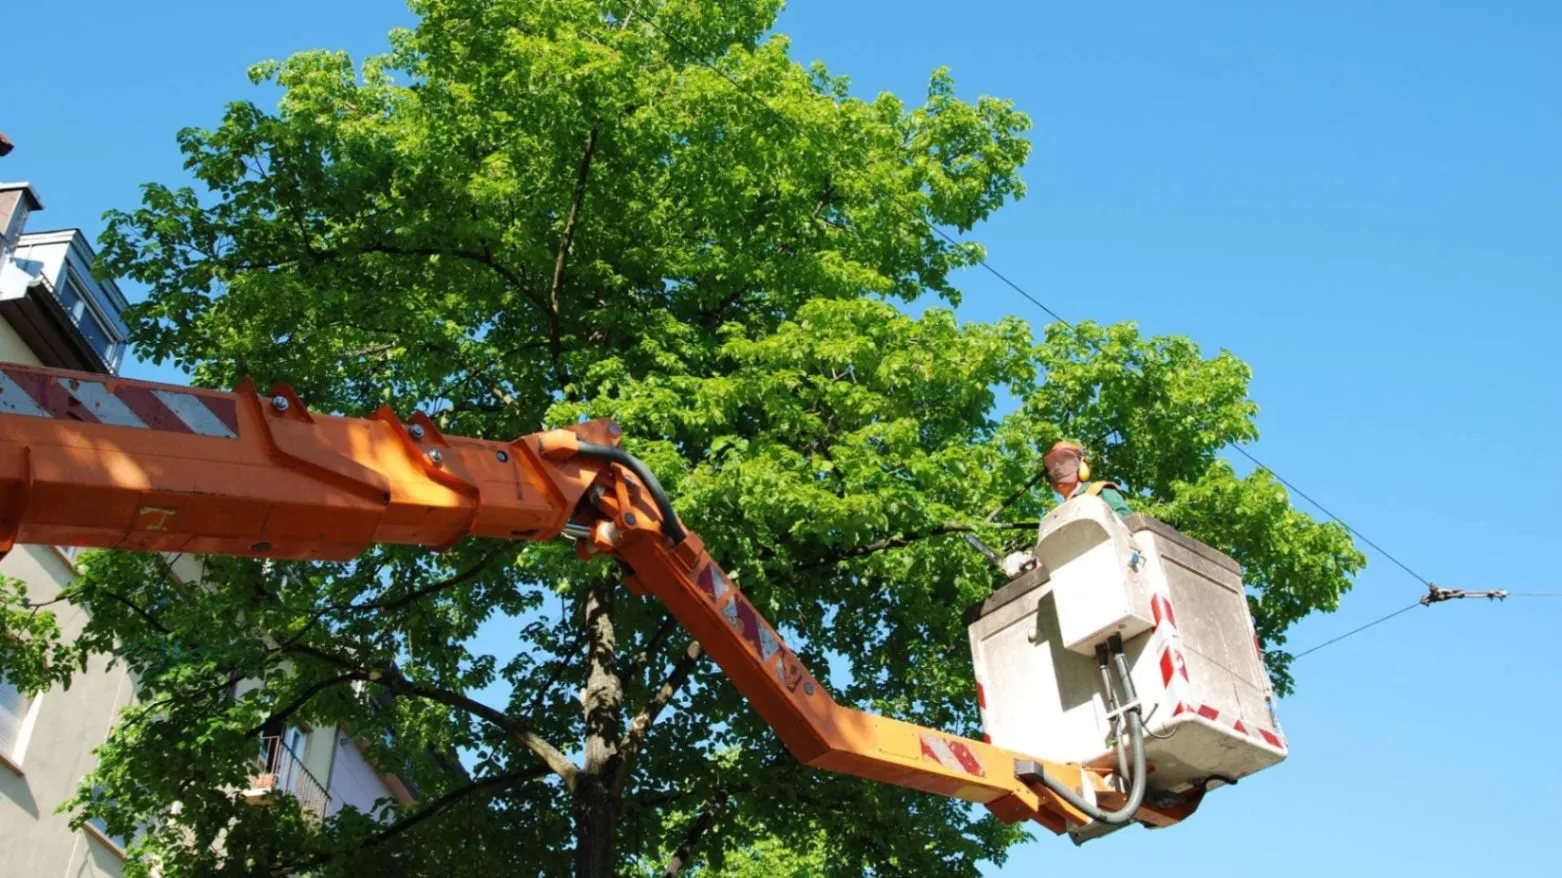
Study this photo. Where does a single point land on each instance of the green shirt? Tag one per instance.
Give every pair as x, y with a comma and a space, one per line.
1112, 496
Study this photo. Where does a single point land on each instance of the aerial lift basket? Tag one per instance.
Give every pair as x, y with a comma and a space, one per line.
1181, 611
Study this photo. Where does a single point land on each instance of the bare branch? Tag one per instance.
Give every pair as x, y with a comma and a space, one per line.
641, 726
901, 542
375, 350
397, 684
695, 832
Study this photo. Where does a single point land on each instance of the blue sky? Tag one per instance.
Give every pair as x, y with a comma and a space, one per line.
1361, 200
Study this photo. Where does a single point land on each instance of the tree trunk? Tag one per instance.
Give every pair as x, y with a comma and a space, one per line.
597, 803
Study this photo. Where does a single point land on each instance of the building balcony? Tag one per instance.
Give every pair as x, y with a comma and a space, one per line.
279, 769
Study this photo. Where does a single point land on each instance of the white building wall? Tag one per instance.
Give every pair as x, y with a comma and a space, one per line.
63, 725
353, 781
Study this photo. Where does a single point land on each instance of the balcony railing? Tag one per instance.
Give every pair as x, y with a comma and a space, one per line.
280, 770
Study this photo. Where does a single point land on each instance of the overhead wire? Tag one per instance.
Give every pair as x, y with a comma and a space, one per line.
1354, 631
1017, 288
1381, 619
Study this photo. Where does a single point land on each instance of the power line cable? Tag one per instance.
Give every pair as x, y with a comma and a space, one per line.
1354, 631
1304, 495
1381, 619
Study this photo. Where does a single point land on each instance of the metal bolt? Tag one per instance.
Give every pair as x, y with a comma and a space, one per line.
416, 432
504, 456
435, 456
279, 403
808, 688
629, 519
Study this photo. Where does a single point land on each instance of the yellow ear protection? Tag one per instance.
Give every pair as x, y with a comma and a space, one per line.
1082, 471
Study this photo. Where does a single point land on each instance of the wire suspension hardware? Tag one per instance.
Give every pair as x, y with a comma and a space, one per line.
1436, 594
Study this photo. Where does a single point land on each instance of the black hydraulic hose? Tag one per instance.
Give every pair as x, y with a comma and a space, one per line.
670, 526
1136, 793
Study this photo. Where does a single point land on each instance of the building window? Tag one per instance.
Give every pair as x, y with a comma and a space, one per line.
17, 713
119, 843
77, 302
293, 740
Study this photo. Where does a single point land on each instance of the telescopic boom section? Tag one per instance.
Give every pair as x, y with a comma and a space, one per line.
99, 462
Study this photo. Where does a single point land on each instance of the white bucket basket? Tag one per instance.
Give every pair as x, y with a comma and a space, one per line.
1188, 635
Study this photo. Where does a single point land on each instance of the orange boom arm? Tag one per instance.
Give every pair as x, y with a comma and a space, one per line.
92, 461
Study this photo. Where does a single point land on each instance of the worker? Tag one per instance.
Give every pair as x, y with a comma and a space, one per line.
1068, 469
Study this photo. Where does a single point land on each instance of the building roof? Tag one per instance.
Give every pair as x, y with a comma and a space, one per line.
33, 201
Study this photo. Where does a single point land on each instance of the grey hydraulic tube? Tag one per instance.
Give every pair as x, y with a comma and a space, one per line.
1111, 706
1136, 793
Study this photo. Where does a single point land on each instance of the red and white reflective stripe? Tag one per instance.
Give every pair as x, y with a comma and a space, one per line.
1169, 641
951, 754
1232, 722
94, 402
981, 707
747, 622
1161, 609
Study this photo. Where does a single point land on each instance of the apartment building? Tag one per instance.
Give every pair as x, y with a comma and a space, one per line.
54, 313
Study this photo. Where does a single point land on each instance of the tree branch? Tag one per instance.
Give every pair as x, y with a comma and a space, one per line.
559, 667
901, 542
652, 646
488, 786
395, 682
303, 698
139, 611
562, 259
557, 761
418, 594
641, 726
482, 257
695, 832
1025, 489
371, 351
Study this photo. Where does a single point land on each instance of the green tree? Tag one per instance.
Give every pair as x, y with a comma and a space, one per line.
529, 212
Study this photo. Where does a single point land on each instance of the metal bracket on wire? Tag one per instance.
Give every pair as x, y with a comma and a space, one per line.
1114, 714
1436, 594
